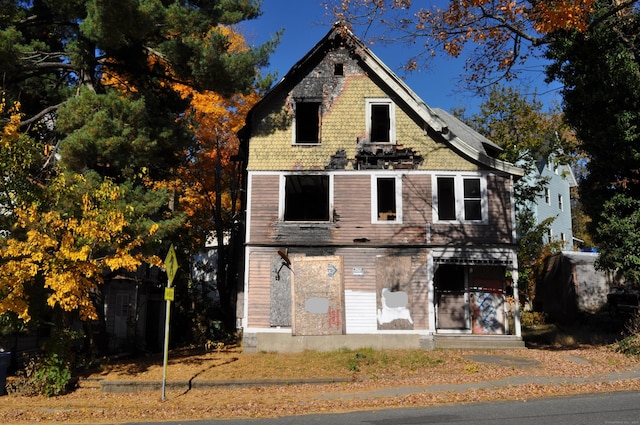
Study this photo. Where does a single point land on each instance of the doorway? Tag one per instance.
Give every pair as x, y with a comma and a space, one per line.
452, 298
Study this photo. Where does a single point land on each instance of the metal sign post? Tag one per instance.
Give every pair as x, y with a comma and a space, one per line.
171, 265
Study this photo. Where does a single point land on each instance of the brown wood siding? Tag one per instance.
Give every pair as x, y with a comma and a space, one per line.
261, 259
352, 203
363, 260
420, 290
259, 293
500, 208
264, 207
353, 226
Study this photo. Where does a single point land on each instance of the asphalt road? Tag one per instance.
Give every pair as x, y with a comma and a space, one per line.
601, 409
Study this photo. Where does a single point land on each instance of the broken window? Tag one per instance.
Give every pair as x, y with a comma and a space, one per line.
472, 199
386, 199
380, 121
446, 198
338, 69
307, 122
460, 198
306, 198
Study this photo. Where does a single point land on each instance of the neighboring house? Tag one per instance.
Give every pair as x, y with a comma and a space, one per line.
132, 310
555, 201
372, 220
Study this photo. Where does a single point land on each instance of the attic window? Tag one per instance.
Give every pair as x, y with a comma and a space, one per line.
307, 122
338, 69
381, 120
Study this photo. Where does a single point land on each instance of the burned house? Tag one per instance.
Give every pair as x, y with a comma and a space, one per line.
372, 220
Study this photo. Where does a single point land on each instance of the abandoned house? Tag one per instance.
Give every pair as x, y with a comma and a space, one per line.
372, 220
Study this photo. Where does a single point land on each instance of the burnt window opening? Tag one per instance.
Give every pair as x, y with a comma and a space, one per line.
380, 123
446, 198
338, 69
386, 199
306, 198
461, 198
472, 199
307, 122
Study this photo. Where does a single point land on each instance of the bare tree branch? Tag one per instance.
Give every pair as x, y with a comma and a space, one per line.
39, 115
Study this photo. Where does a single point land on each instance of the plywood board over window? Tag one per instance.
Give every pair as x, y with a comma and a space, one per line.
280, 292
393, 283
318, 300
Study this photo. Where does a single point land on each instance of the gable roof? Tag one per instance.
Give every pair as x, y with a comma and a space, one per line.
460, 137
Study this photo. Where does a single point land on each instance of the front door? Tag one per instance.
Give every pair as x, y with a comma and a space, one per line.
452, 298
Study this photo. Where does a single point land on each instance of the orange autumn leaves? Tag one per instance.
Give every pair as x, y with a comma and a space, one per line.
502, 32
493, 23
68, 251
215, 121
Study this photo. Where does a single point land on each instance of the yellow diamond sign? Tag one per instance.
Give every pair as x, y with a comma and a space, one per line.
171, 264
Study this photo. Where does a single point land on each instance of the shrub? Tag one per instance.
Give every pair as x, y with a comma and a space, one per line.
52, 376
630, 345
532, 318
50, 372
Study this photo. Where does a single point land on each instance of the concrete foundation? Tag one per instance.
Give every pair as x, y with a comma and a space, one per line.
286, 343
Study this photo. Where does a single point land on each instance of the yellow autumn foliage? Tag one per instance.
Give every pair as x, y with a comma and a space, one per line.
70, 254
11, 130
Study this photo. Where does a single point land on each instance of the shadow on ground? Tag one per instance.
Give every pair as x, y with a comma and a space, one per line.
596, 329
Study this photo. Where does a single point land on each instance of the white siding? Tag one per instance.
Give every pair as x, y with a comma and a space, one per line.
360, 312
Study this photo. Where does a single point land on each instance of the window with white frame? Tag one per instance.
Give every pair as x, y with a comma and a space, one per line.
306, 122
560, 203
460, 198
547, 196
386, 199
381, 121
306, 197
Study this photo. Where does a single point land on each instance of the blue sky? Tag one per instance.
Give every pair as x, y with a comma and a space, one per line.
305, 22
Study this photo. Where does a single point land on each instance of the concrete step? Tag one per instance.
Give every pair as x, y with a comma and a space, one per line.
478, 342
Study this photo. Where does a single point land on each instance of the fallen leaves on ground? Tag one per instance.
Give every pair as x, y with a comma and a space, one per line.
370, 380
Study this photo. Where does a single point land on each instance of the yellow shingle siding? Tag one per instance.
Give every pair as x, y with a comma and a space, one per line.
343, 124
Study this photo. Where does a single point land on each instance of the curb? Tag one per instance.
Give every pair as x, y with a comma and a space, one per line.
107, 386
138, 386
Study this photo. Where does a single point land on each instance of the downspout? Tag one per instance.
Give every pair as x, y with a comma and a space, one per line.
431, 271
514, 262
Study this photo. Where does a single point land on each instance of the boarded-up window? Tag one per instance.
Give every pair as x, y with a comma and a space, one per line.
306, 198
318, 291
394, 294
280, 293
